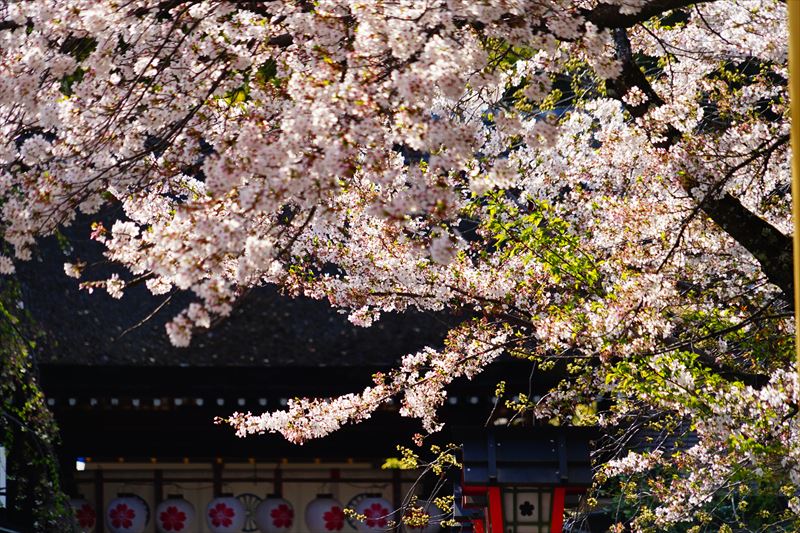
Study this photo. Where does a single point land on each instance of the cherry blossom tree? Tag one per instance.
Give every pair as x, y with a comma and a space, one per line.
604, 186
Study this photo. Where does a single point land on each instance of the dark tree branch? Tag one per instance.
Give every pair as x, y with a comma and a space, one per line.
8, 25
769, 246
281, 41
632, 76
609, 16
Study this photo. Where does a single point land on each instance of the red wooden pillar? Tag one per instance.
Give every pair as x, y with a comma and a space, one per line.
557, 514
495, 511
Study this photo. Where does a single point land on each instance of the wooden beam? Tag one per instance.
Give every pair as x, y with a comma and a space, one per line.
217, 476
158, 486
99, 501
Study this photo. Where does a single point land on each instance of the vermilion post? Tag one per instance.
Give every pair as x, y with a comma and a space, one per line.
793, 7
496, 506
557, 514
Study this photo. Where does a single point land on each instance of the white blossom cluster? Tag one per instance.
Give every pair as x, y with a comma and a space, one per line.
420, 381
743, 420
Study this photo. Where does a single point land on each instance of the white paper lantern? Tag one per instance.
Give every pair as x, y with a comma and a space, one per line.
436, 516
175, 514
85, 514
377, 511
324, 514
127, 513
274, 515
225, 514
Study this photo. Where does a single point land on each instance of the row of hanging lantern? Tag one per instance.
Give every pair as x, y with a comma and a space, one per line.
129, 513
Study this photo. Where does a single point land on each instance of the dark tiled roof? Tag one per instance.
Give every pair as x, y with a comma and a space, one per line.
267, 328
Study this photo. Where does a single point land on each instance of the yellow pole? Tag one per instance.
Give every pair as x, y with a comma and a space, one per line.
793, 7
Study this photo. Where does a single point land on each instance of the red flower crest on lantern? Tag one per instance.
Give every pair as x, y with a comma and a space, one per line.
376, 515
122, 516
334, 519
172, 519
282, 516
221, 515
86, 516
